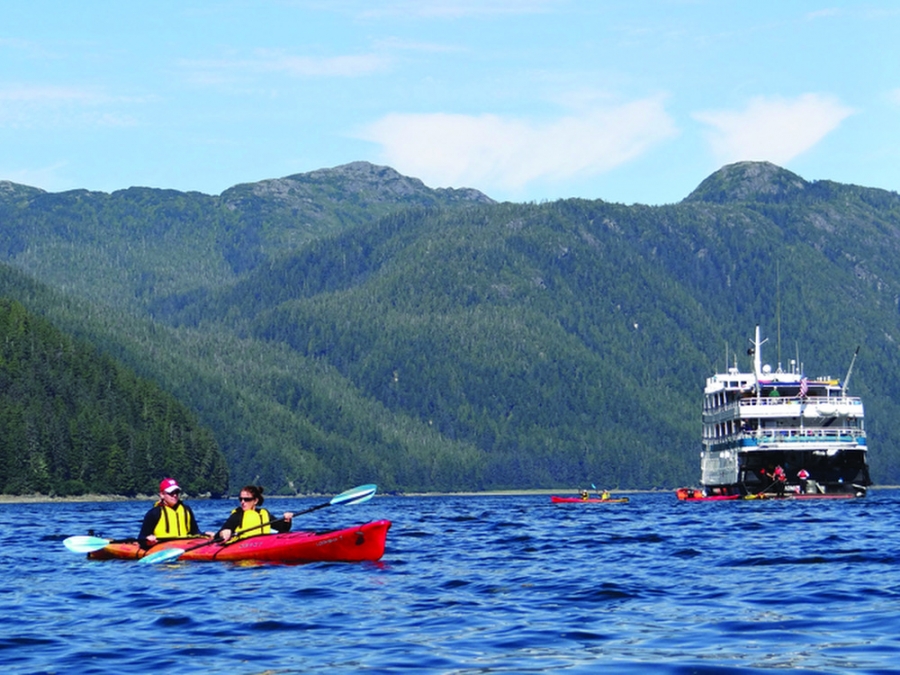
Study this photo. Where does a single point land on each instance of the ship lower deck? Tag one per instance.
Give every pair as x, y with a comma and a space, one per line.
744, 471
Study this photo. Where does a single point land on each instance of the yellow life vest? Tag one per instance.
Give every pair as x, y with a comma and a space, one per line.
172, 522
253, 519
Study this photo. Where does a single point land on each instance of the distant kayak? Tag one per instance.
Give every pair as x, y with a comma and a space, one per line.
353, 544
696, 495
592, 500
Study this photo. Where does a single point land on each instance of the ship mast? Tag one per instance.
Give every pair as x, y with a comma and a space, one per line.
849, 372
757, 359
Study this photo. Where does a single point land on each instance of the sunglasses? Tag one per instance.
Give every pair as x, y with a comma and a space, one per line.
246, 499
174, 493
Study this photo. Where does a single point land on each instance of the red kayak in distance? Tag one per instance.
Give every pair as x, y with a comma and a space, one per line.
352, 544
590, 500
696, 495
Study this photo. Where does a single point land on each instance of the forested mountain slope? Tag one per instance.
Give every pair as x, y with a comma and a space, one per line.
73, 421
345, 330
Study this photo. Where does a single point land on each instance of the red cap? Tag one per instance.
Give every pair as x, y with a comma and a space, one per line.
168, 485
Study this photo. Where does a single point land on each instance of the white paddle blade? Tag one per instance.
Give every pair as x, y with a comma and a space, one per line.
356, 495
162, 556
84, 543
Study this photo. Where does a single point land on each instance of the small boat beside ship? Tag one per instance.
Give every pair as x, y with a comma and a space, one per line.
777, 433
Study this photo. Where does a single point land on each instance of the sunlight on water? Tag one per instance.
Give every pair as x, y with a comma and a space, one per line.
474, 584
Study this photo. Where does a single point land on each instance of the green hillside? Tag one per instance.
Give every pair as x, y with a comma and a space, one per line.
352, 325
75, 422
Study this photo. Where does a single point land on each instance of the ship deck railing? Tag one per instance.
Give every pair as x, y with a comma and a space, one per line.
765, 406
796, 400
803, 435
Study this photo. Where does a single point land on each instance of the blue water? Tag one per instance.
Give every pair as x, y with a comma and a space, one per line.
486, 584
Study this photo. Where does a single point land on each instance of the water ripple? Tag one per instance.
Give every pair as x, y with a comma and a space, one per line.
490, 584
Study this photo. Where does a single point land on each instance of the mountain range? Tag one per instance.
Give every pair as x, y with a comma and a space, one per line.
352, 325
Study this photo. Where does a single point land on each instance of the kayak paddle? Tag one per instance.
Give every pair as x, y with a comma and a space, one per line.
356, 495
85, 544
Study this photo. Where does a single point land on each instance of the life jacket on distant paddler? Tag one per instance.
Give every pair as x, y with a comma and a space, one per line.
256, 521
173, 522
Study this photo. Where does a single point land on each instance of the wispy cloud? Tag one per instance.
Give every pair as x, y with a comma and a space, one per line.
773, 129
50, 94
396, 44
45, 177
825, 13
347, 65
439, 9
24, 106
213, 71
497, 152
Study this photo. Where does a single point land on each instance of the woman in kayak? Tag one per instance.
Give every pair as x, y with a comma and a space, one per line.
251, 518
169, 517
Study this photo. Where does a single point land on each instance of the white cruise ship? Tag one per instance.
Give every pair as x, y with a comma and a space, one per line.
776, 433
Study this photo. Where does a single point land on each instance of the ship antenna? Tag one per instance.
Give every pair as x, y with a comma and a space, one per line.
757, 358
849, 371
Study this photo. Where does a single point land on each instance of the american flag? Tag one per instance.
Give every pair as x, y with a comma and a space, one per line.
804, 386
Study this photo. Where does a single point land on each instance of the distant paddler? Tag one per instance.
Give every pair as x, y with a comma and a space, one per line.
604, 495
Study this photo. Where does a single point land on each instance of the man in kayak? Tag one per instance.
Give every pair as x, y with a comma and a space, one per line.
251, 518
169, 517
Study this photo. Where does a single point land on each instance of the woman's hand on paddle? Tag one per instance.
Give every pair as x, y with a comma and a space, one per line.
288, 516
224, 535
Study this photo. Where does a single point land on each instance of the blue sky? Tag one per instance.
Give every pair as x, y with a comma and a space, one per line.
632, 101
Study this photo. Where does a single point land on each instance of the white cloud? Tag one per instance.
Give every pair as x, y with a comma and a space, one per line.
772, 129
491, 151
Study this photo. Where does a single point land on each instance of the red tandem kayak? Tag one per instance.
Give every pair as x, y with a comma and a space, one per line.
592, 500
353, 544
